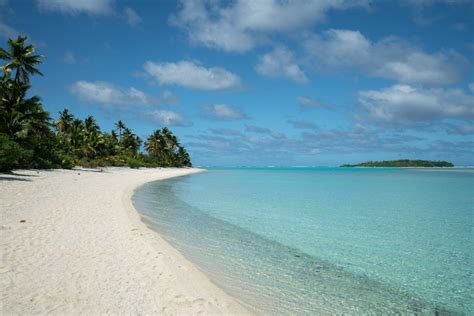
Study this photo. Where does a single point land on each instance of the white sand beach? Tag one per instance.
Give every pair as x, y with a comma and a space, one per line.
72, 243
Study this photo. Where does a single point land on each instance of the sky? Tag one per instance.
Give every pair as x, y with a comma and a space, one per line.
263, 82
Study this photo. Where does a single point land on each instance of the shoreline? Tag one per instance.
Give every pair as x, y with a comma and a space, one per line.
83, 248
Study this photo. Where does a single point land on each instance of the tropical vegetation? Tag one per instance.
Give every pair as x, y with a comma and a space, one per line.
30, 139
403, 163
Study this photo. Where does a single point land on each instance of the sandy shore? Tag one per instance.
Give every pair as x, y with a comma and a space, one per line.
72, 243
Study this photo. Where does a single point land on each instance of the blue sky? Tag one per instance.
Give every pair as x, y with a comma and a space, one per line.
264, 82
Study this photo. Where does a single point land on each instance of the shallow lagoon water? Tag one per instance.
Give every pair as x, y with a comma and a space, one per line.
326, 240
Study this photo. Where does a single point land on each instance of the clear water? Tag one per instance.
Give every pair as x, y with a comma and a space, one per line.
305, 241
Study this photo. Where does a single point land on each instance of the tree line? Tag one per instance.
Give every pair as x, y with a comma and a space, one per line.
30, 139
403, 163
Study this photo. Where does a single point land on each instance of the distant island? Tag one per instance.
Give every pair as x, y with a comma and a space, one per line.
403, 163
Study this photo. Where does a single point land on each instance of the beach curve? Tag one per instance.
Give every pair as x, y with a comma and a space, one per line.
72, 242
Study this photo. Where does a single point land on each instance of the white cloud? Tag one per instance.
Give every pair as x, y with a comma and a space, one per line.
339, 48
263, 150
132, 17
167, 97
69, 58
390, 58
310, 102
110, 95
281, 63
257, 129
166, 118
403, 104
240, 25
471, 86
107, 94
421, 3
191, 75
464, 129
301, 124
74, 7
419, 67
223, 111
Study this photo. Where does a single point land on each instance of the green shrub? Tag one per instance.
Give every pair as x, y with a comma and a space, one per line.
66, 161
90, 163
134, 163
12, 155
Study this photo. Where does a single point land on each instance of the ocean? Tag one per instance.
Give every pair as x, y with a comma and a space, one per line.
325, 240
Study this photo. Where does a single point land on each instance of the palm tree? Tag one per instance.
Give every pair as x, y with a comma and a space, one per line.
94, 142
183, 159
21, 117
22, 59
90, 125
23, 121
111, 144
120, 125
77, 136
63, 124
167, 147
130, 142
153, 144
114, 136
166, 150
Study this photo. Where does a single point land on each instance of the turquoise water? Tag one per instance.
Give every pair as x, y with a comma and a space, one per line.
324, 240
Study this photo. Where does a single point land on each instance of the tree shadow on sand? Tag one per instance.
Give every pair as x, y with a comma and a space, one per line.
16, 176
12, 178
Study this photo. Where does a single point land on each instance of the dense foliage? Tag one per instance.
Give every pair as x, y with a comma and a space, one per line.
28, 139
403, 163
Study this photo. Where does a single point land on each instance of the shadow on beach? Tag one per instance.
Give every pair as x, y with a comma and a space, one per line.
19, 175
12, 178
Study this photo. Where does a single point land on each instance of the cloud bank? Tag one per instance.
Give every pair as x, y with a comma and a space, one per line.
390, 58
224, 112
407, 105
192, 75
73, 7
281, 63
238, 26
108, 94
165, 118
